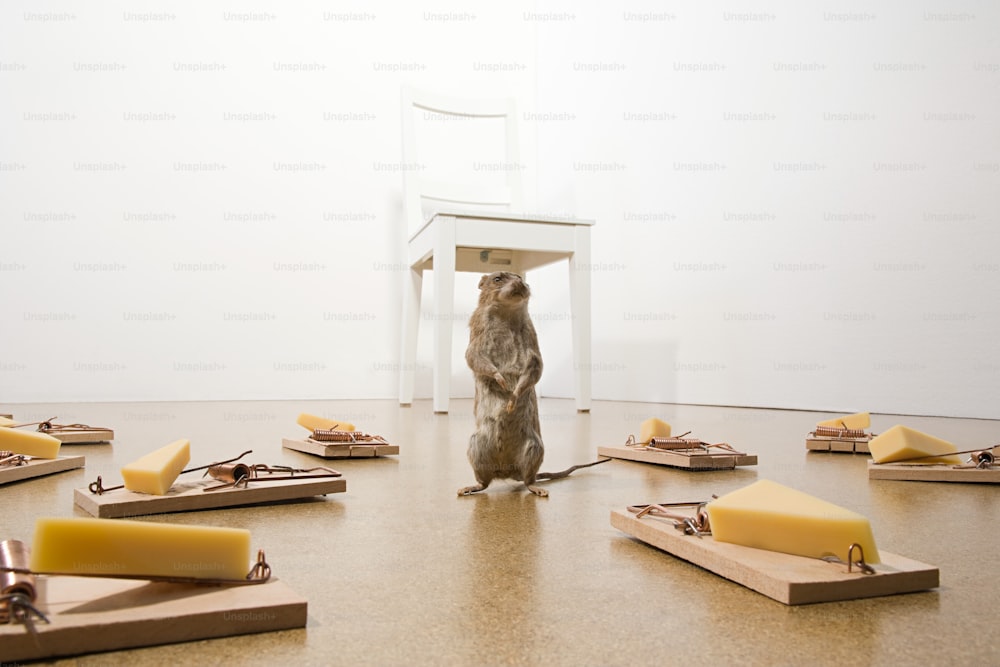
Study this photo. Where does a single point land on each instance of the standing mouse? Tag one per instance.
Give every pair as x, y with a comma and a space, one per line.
505, 360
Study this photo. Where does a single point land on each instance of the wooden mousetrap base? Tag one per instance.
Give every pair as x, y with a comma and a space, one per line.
189, 496
39, 468
789, 579
87, 437
818, 443
937, 472
90, 614
706, 461
340, 450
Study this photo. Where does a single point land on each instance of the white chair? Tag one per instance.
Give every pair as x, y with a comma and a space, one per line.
491, 233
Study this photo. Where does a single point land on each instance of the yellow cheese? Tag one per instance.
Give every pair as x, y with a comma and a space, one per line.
901, 442
122, 547
156, 471
653, 428
29, 443
859, 420
6, 421
312, 422
768, 515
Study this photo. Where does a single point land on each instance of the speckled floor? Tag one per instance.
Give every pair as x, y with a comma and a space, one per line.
399, 571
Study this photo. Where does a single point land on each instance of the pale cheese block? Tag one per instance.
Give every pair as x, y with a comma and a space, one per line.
312, 422
29, 443
902, 442
6, 421
156, 471
653, 428
121, 547
771, 516
857, 421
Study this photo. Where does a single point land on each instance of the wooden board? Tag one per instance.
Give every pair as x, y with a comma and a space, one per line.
189, 496
791, 580
909, 472
821, 444
339, 450
668, 458
90, 614
40, 467
91, 437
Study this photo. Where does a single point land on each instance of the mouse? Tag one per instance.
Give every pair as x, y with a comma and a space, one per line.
506, 363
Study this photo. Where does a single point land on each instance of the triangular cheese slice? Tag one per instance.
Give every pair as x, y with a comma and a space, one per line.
901, 442
768, 515
29, 443
155, 472
312, 422
859, 420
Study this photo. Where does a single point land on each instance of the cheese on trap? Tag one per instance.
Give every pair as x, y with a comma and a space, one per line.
156, 471
122, 547
312, 422
29, 443
653, 428
857, 421
901, 442
768, 515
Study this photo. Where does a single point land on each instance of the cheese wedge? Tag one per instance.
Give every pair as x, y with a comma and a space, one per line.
653, 428
312, 422
6, 421
124, 548
156, 471
901, 442
768, 515
859, 420
29, 443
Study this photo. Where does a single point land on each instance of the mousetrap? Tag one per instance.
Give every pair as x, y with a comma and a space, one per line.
334, 444
681, 452
72, 434
981, 467
789, 579
52, 615
230, 484
16, 467
833, 439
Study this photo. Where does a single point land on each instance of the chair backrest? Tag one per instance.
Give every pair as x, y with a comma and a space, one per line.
491, 183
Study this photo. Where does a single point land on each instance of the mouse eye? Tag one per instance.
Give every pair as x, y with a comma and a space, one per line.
497, 279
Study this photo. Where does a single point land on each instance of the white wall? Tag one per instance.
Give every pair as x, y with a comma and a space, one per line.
796, 205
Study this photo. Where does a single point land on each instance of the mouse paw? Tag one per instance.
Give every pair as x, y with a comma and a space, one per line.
469, 490
510, 406
498, 376
538, 491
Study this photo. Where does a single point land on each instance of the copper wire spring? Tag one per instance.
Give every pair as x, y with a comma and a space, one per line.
325, 435
9, 458
836, 432
332, 435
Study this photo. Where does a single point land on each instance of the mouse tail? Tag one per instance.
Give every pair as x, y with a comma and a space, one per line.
567, 471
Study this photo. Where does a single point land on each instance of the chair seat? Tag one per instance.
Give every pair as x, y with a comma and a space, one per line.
534, 241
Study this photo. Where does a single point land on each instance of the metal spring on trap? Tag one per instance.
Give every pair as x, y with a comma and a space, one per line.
17, 589
836, 432
9, 458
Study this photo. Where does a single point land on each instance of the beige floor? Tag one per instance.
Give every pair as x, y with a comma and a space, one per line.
399, 571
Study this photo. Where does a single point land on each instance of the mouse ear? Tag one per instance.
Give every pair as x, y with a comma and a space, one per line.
482, 281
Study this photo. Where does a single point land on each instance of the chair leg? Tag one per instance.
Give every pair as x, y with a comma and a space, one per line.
444, 307
411, 326
579, 299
